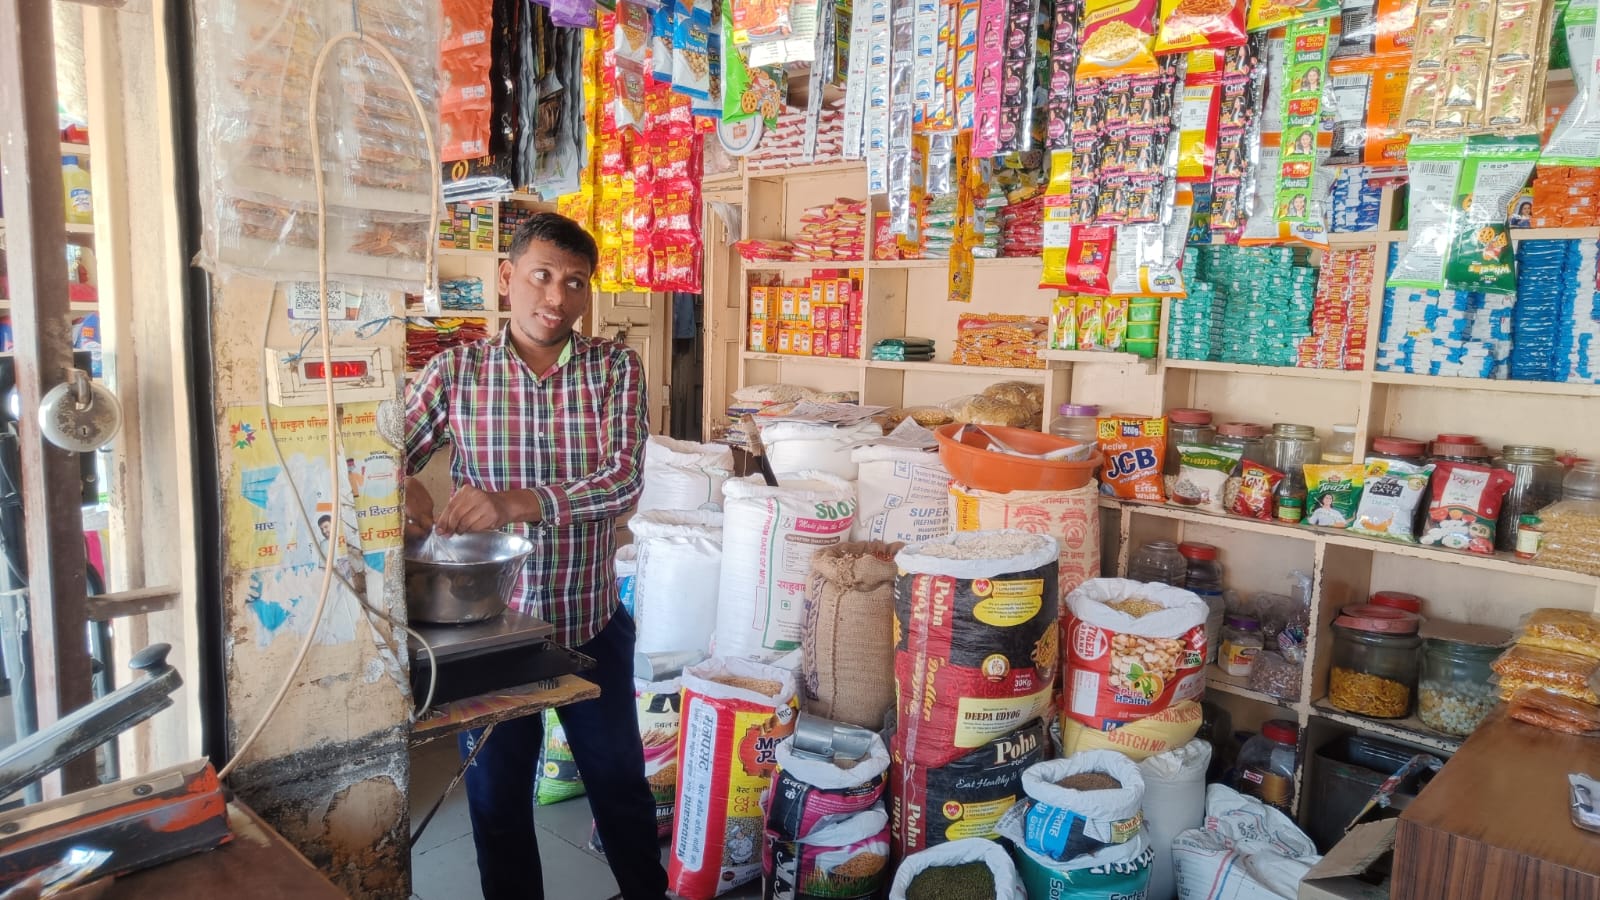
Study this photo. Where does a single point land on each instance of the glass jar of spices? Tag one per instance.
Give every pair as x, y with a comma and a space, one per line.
1583, 482
1186, 426
1076, 422
1241, 641
1454, 693
1290, 447
1375, 652
1539, 483
1267, 764
1341, 446
1159, 562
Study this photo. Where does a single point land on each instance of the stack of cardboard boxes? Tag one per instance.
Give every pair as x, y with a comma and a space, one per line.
821, 317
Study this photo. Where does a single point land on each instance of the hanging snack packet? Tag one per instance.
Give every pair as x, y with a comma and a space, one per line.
1333, 494
1203, 476
1117, 37
1273, 13
1576, 139
1133, 447
1465, 505
1390, 497
1256, 485
1198, 121
1434, 170
1494, 172
1307, 47
1200, 25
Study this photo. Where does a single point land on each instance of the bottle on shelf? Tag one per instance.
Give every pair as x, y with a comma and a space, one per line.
1077, 422
1267, 763
1204, 578
75, 184
1341, 447
1290, 448
1186, 426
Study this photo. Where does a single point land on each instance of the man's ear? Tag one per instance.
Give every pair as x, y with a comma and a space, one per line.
504, 282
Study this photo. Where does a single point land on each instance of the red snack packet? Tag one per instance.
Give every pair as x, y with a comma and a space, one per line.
1464, 506
1257, 482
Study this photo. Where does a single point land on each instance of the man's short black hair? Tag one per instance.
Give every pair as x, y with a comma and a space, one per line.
325, 520
560, 231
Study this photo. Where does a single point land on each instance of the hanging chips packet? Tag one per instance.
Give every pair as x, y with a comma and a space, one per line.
1333, 494
1493, 172
1390, 496
1133, 447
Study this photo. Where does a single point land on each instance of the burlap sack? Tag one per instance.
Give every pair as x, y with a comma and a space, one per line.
847, 639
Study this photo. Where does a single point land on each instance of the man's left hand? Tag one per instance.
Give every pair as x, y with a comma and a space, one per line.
474, 509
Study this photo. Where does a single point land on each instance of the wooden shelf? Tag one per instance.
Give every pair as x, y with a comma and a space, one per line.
909, 263
801, 267
1219, 680
803, 360
957, 369
1498, 386
1197, 365
837, 167
69, 149
1101, 357
482, 254
1410, 729
79, 229
75, 306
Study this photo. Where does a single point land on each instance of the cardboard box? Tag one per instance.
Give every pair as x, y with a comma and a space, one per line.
838, 343
788, 304
1368, 848
851, 297
762, 308
802, 342
819, 316
803, 305
830, 290
819, 342
819, 291
837, 317
763, 337
785, 340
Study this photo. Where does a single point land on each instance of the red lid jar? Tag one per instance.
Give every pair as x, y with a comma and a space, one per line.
1378, 619
1461, 448
1242, 430
1189, 416
1400, 600
1281, 730
1398, 448
1196, 550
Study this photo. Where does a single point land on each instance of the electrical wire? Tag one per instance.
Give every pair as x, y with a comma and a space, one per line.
330, 400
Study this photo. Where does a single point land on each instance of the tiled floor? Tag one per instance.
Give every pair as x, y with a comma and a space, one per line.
444, 865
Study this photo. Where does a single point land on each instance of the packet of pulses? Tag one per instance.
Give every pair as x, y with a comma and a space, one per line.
1133, 447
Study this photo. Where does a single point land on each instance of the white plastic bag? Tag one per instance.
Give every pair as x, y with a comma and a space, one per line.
684, 474
1174, 802
679, 558
902, 494
1007, 886
1123, 667
1247, 851
795, 448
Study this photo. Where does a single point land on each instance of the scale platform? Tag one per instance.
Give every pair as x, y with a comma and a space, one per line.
507, 651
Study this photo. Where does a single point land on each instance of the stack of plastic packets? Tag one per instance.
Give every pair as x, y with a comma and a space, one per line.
1271, 292
1355, 201
1194, 327
1451, 333
1339, 320
1543, 283
1577, 356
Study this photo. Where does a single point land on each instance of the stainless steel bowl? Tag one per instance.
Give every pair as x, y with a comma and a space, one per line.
463, 577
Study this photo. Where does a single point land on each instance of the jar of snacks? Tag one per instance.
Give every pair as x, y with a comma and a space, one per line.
1340, 450
1186, 426
1241, 641
1159, 562
1245, 437
1539, 477
1374, 662
1398, 449
1204, 578
1076, 422
1583, 482
1459, 448
1454, 693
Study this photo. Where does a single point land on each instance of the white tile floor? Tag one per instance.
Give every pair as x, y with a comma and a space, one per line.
444, 865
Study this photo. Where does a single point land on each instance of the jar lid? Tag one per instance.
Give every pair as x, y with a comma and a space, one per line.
1456, 439
1242, 430
1529, 452
1282, 731
1461, 633
1161, 545
1188, 416
1283, 429
1586, 466
1078, 409
1400, 600
1242, 622
1397, 446
1195, 550
1377, 620
1463, 450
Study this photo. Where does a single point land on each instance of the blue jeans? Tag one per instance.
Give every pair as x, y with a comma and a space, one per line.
604, 736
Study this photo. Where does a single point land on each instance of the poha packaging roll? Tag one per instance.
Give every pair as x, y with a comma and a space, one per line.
964, 798
1133, 649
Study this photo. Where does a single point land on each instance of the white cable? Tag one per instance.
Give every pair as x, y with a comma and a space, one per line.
327, 345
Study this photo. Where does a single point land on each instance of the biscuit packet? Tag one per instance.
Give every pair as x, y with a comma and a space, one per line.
1333, 494
1133, 447
1390, 496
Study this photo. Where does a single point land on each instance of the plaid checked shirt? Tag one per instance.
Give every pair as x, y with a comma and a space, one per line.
574, 436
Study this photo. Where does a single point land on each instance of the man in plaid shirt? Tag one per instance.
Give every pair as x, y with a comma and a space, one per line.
548, 427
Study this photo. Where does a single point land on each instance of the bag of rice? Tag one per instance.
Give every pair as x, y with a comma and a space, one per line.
660, 712
847, 638
1333, 494
1133, 649
968, 868
963, 799
1389, 499
735, 713
976, 640
1133, 447
1138, 740
558, 774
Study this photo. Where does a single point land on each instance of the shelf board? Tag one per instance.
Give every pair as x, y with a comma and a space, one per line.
1197, 365
956, 369
68, 149
482, 254
803, 360
75, 306
836, 167
1256, 526
79, 229
800, 267
1219, 680
1105, 357
1499, 386
910, 263
1410, 729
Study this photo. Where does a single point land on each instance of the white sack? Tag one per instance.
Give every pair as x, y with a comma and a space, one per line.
684, 474
1174, 802
679, 556
902, 495
794, 448
1007, 886
1248, 851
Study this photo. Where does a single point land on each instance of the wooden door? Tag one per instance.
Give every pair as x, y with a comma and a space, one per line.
641, 321
724, 324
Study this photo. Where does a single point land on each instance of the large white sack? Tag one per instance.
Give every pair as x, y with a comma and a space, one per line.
625, 564
684, 474
1247, 851
794, 448
902, 495
1007, 886
770, 535
1174, 802
678, 560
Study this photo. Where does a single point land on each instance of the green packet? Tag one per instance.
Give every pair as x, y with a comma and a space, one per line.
906, 343
1203, 475
1494, 171
1333, 493
1573, 142
1434, 169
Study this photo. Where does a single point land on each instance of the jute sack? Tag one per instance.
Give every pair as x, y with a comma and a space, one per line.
847, 638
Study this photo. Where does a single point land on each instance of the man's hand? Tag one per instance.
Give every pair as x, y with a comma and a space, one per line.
419, 509
472, 509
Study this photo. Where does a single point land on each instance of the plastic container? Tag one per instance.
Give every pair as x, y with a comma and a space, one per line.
970, 462
1159, 562
1345, 774
1241, 641
1400, 600
76, 187
1399, 449
1076, 422
1267, 764
1459, 448
1340, 448
1453, 692
1186, 426
1582, 482
1539, 484
1204, 578
1530, 535
1247, 438
1375, 656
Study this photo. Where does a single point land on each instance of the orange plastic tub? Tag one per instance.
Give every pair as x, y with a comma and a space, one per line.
971, 463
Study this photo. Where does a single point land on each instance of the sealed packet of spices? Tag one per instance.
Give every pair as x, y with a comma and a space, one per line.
1256, 486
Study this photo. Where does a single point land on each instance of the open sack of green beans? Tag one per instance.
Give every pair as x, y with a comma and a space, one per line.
969, 869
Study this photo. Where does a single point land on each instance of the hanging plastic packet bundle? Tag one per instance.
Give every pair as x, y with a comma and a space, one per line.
1435, 170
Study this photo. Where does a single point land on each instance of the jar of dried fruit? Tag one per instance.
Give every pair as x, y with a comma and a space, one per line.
1374, 662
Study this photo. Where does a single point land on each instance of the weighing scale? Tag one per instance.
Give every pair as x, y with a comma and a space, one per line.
508, 650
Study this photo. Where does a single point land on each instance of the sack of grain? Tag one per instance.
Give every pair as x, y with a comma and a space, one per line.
770, 535
1082, 805
976, 640
1109, 873
827, 831
795, 448
966, 868
678, 557
806, 790
1174, 802
660, 712
1246, 851
902, 494
847, 858
558, 775
1133, 649
683, 474
847, 638
1138, 740
735, 713
1071, 517
964, 798
625, 564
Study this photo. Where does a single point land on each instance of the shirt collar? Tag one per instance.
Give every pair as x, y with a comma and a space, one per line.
576, 345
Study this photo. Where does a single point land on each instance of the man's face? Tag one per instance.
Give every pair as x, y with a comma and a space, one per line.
549, 291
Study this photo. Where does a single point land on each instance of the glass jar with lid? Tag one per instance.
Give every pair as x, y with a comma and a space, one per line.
1290, 447
1341, 446
1459, 448
1539, 483
1583, 482
1399, 449
1245, 437
1408, 603
1454, 693
1186, 426
1375, 658
1077, 422
1267, 764
1159, 562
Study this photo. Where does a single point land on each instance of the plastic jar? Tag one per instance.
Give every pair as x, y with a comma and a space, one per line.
1454, 693
1204, 578
1459, 448
1408, 603
1399, 449
1341, 446
1186, 426
1267, 764
1374, 662
1583, 482
1159, 562
1539, 484
1245, 437
1077, 422
1241, 641
1530, 536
